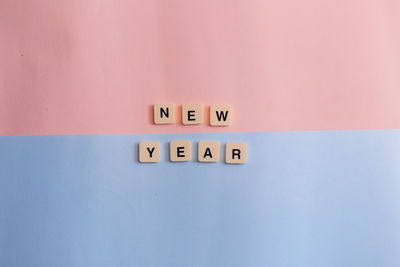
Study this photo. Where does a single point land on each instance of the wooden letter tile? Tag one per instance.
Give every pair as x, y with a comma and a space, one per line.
236, 153
149, 151
220, 115
192, 114
179, 150
164, 113
208, 151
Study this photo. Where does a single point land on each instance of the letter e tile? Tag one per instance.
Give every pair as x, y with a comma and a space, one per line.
192, 114
179, 150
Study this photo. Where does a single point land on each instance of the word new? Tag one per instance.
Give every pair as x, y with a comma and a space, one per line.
220, 115
208, 151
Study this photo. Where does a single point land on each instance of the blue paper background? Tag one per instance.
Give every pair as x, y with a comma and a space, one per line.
329, 198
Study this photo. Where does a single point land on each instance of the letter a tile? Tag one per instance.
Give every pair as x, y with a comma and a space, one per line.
208, 151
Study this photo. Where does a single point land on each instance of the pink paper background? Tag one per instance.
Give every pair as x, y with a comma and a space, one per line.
88, 67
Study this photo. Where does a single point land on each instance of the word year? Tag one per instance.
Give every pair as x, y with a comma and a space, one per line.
208, 151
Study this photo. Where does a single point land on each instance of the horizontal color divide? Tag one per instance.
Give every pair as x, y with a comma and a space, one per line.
305, 199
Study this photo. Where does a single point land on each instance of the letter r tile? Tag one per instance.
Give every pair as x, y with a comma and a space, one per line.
236, 153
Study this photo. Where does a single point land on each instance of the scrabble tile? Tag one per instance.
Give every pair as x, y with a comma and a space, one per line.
208, 151
192, 114
164, 113
149, 151
236, 153
179, 151
220, 115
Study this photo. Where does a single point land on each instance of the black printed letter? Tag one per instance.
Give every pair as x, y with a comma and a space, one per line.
235, 152
180, 151
222, 114
191, 115
163, 112
151, 151
207, 153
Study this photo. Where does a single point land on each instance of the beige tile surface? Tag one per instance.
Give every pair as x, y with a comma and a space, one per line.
192, 114
164, 113
220, 115
235, 153
149, 151
208, 151
180, 150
